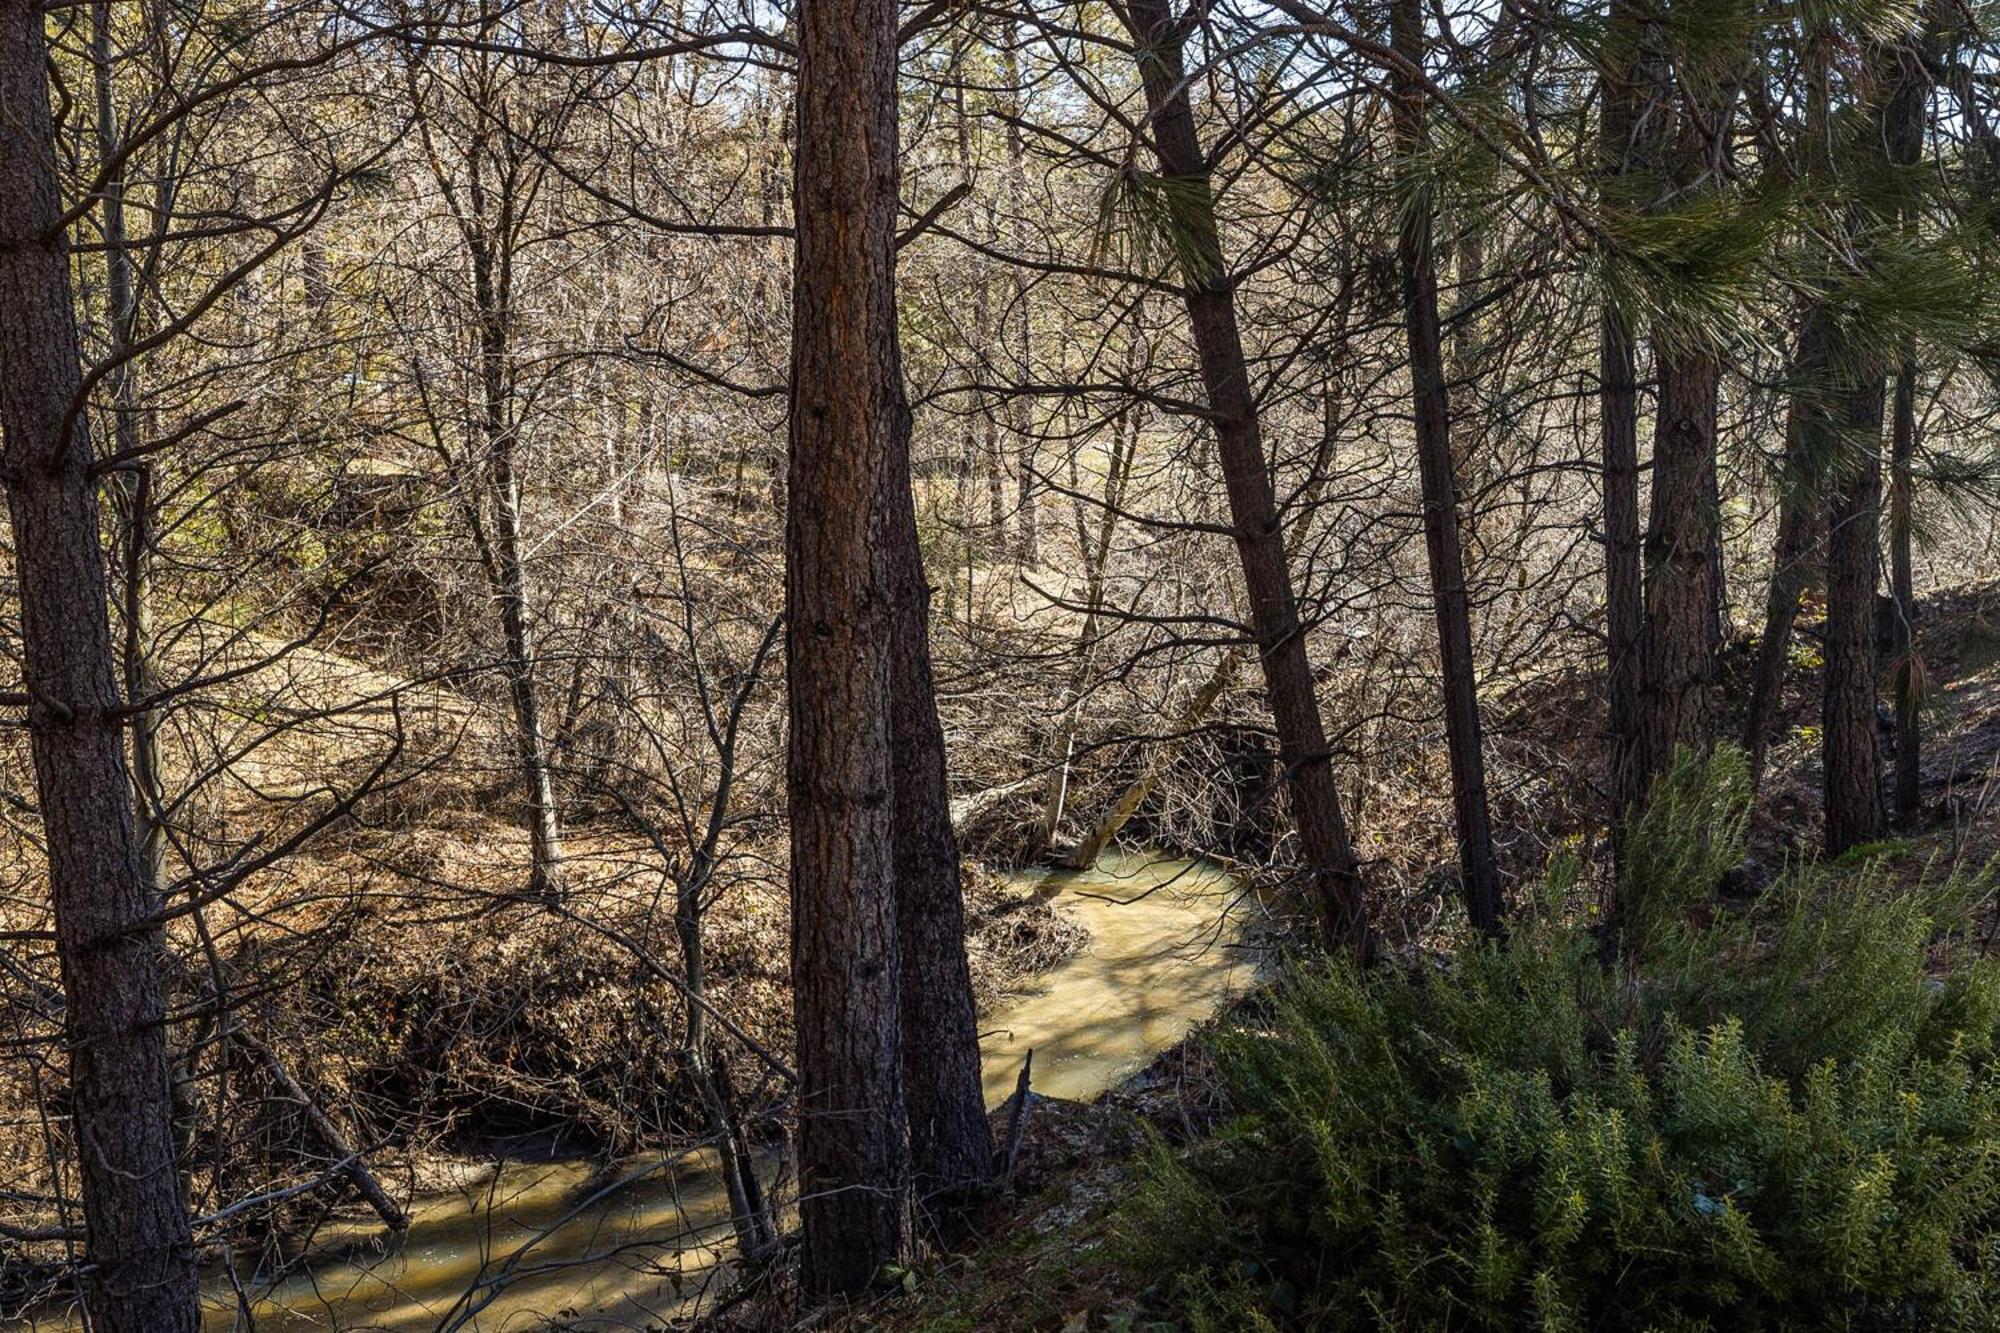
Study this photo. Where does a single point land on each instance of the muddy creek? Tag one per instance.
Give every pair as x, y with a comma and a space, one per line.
526, 1244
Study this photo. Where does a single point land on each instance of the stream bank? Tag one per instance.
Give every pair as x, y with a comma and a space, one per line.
569, 1244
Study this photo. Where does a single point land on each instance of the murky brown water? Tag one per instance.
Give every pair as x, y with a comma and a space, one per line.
564, 1241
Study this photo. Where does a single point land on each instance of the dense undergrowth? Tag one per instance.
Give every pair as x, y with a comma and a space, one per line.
1783, 1113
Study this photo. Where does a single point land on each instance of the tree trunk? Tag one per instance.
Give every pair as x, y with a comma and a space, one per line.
1719, 618
141, 1272
1627, 146
1909, 676
951, 1142
846, 411
1791, 570
1795, 551
331, 1139
749, 1216
1849, 752
978, 420
135, 493
1210, 296
979, 409
1478, 872
1154, 766
1085, 854
1678, 641
1677, 648
1809, 440
1903, 143
1020, 411
510, 581
1096, 548
1852, 759
1624, 578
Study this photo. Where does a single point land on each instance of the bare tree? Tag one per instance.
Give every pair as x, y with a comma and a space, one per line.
488, 170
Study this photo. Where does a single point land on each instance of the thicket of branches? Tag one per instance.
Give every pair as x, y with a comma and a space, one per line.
1304, 405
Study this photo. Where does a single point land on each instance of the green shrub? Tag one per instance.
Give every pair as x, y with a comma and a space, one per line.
1782, 1117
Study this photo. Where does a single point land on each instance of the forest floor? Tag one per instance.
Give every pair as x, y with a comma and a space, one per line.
1042, 1258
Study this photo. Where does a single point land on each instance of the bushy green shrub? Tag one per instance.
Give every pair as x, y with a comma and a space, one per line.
1786, 1116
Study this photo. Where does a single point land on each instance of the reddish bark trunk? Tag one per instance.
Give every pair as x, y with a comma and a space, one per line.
1677, 648
846, 406
141, 1274
1849, 750
951, 1141
1628, 144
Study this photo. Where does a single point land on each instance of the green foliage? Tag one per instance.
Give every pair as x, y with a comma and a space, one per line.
1708, 39
1930, 288
1692, 266
1160, 220
1688, 838
1785, 1117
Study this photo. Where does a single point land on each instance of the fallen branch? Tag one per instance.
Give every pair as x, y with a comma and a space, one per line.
351, 1163
969, 811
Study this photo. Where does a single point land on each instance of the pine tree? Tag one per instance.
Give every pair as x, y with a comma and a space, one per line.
1478, 872
1209, 294
108, 911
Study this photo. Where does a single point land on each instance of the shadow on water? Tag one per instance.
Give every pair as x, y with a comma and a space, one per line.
568, 1241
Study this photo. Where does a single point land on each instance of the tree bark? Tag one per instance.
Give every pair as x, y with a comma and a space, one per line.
1155, 765
486, 210
509, 574
1624, 578
331, 1139
1798, 543
1908, 782
135, 497
1209, 293
846, 409
1677, 648
951, 1141
1020, 409
141, 1273
1626, 146
1849, 752
1852, 758
1479, 874
1678, 641
1809, 437
979, 410
1903, 143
